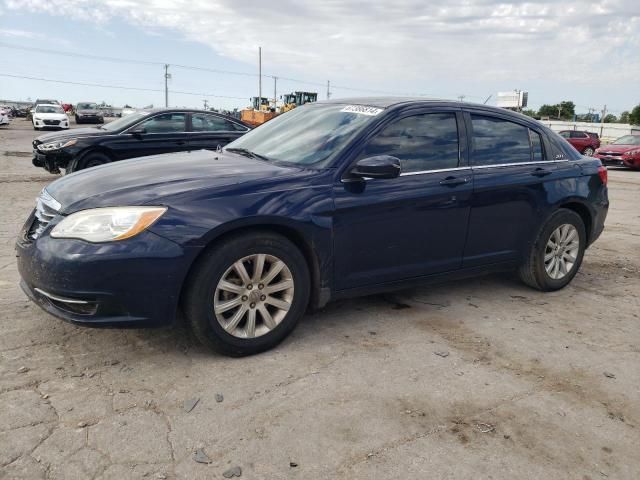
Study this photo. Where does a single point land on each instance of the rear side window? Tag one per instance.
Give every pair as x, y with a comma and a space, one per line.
578, 135
565, 134
421, 142
536, 146
212, 123
496, 141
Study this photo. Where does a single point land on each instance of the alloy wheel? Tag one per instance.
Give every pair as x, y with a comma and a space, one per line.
588, 152
253, 296
561, 252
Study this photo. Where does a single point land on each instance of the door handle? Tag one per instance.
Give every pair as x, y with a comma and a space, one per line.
454, 181
181, 142
541, 172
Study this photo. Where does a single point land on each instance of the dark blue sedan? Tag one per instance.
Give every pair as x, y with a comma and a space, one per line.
329, 200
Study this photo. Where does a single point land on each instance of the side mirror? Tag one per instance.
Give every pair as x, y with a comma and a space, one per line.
380, 166
138, 130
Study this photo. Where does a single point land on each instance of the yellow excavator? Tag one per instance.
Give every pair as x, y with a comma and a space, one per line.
259, 112
262, 111
296, 99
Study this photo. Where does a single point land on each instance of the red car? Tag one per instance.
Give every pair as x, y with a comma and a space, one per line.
585, 142
624, 151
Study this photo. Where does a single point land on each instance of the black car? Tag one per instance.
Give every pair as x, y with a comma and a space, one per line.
87, 112
139, 134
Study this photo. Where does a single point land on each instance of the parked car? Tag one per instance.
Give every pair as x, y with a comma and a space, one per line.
50, 116
87, 112
4, 117
623, 151
136, 135
584, 142
330, 200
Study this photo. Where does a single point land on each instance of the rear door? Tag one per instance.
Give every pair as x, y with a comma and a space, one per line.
163, 133
511, 170
209, 131
580, 140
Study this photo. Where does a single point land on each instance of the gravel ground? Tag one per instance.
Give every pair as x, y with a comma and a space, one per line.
482, 378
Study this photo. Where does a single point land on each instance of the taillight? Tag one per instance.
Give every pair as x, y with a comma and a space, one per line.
602, 173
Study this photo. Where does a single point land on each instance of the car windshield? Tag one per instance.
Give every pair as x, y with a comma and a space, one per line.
49, 109
124, 122
307, 135
628, 140
87, 106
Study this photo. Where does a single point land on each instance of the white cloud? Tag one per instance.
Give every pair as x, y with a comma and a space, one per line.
412, 41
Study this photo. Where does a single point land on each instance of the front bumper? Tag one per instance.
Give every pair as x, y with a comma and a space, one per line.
52, 161
620, 160
64, 124
89, 118
132, 283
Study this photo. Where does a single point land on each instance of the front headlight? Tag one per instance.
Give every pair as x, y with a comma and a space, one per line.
56, 145
107, 224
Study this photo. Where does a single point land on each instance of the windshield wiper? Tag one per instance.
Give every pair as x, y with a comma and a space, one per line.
248, 153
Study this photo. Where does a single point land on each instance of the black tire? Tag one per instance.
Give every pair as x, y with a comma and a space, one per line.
199, 292
35, 128
78, 122
92, 159
532, 272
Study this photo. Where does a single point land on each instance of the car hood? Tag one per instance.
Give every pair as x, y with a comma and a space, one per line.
618, 148
69, 134
147, 180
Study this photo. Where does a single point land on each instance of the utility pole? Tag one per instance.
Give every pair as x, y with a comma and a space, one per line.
461, 98
275, 91
167, 76
518, 95
206, 103
559, 110
259, 75
328, 89
604, 114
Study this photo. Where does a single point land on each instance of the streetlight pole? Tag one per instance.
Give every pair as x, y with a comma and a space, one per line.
167, 76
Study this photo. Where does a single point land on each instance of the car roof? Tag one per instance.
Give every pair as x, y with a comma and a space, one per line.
392, 102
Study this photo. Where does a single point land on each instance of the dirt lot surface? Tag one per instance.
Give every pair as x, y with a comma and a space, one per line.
483, 378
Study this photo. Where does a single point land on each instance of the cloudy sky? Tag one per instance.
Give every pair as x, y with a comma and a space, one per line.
584, 51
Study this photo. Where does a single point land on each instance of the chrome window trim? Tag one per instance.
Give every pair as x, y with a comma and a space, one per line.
540, 162
437, 170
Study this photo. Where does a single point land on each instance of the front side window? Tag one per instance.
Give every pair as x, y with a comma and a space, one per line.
421, 142
496, 141
165, 123
565, 134
201, 122
575, 134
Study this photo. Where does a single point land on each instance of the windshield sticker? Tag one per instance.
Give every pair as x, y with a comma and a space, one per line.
362, 110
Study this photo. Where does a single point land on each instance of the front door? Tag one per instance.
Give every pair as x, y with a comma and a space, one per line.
393, 229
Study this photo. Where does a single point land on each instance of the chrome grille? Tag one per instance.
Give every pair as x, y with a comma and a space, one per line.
46, 209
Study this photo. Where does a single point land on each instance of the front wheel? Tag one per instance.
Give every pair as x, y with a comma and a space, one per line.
556, 254
247, 293
588, 152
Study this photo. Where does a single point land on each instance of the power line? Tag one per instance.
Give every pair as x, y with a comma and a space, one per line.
120, 87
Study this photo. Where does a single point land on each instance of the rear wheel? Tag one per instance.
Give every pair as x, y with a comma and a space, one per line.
588, 151
77, 120
556, 254
247, 293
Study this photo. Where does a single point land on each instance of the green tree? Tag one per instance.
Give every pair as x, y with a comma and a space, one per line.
530, 113
634, 116
564, 110
610, 118
624, 117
